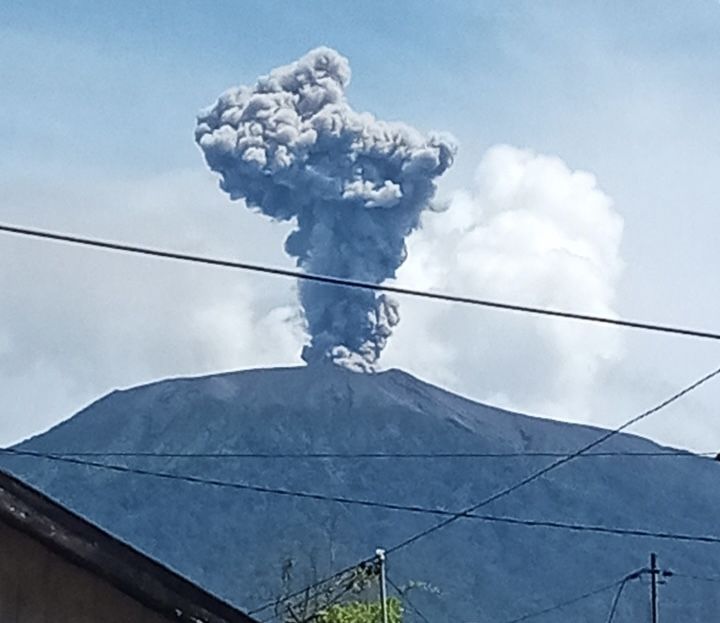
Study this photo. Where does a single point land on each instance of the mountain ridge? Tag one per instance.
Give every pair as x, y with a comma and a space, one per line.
324, 408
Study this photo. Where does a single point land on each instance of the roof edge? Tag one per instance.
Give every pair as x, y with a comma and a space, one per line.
88, 546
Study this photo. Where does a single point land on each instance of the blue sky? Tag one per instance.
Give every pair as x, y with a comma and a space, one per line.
133, 75
100, 97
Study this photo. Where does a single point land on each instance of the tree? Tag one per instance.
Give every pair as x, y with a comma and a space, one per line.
361, 612
350, 597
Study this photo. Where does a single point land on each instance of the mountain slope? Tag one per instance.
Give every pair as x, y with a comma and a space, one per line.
236, 542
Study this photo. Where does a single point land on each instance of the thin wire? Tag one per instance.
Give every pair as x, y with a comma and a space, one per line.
351, 283
380, 455
335, 600
696, 577
332, 602
554, 465
278, 601
572, 601
615, 602
670, 536
369, 503
406, 599
618, 594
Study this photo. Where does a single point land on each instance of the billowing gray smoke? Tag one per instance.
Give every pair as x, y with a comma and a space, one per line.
292, 147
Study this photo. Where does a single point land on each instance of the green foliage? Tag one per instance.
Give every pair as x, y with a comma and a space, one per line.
361, 612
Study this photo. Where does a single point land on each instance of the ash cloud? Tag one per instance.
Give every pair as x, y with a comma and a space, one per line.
293, 148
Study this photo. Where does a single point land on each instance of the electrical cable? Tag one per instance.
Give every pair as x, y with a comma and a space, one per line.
572, 601
618, 594
351, 283
699, 578
615, 602
313, 615
244, 486
379, 455
325, 580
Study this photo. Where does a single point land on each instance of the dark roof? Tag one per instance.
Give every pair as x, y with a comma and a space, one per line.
85, 545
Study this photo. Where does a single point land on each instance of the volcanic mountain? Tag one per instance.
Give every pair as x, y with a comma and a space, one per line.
250, 545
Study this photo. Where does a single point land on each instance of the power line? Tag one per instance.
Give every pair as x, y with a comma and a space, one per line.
351, 283
615, 602
332, 602
555, 464
335, 600
243, 486
278, 601
574, 600
698, 578
618, 594
559, 525
380, 455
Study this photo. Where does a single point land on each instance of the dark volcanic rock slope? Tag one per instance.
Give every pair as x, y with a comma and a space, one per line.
236, 542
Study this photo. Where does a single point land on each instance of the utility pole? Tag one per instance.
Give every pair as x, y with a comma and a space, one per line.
654, 573
380, 553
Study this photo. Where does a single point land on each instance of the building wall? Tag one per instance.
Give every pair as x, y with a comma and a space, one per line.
39, 586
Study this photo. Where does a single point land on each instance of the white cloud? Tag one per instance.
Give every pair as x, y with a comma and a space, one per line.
531, 231
76, 323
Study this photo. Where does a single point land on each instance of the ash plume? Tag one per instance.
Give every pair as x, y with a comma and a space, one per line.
292, 147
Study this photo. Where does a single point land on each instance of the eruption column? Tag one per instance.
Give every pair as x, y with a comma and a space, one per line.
293, 148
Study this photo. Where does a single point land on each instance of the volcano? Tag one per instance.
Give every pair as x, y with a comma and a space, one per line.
249, 546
